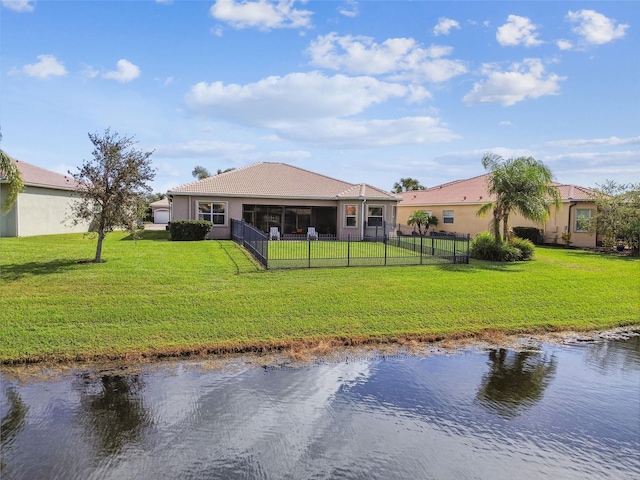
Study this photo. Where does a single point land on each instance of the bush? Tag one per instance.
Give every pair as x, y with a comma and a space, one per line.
189, 230
530, 233
484, 247
526, 247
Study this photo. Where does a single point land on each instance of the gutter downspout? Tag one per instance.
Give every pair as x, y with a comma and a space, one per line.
364, 205
571, 205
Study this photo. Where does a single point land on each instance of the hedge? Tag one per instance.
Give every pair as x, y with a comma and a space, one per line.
189, 230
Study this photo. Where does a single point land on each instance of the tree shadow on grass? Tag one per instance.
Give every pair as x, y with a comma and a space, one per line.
153, 235
16, 271
483, 265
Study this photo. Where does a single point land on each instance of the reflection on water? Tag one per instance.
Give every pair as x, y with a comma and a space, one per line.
111, 411
515, 380
553, 412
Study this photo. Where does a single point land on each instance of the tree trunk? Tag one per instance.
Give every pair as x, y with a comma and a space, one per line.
505, 226
98, 258
496, 225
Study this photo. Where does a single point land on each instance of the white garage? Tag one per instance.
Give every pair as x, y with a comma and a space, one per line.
160, 210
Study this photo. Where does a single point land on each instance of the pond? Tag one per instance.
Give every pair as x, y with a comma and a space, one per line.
560, 410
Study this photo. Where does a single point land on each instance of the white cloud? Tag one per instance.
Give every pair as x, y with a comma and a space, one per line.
311, 108
595, 28
89, 72
518, 31
607, 142
201, 148
564, 44
296, 96
21, 6
523, 81
262, 14
126, 71
444, 26
164, 2
340, 133
399, 56
47, 66
349, 8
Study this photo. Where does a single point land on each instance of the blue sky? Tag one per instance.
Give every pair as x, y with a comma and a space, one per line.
363, 91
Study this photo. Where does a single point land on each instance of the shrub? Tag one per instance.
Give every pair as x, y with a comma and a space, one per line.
189, 230
526, 247
484, 247
530, 233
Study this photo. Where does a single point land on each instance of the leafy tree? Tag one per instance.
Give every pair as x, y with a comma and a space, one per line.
111, 186
224, 171
407, 185
420, 219
200, 172
521, 184
11, 174
618, 213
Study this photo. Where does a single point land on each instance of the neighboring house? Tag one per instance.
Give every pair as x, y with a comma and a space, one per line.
455, 205
160, 211
288, 198
42, 207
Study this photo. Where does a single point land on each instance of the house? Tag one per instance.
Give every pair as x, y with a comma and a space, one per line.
160, 211
288, 198
455, 205
43, 207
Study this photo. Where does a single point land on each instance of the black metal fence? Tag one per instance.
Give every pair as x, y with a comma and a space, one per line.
254, 240
349, 251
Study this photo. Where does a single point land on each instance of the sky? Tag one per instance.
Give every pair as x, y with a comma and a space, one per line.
362, 91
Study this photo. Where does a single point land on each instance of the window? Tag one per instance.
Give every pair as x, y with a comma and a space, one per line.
375, 215
447, 216
350, 216
214, 212
583, 218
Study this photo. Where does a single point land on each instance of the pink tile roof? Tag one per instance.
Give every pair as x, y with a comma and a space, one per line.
40, 177
279, 180
474, 191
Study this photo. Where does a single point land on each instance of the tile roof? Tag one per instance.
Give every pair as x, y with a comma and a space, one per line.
162, 203
279, 180
474, 191
40, 177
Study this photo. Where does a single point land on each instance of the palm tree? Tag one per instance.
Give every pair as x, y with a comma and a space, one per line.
9, 172
407, 185
420, 218
200, 172
521, 184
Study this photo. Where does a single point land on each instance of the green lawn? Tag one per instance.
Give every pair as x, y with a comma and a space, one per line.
155, 297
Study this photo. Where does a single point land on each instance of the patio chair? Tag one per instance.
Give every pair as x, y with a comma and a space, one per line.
274, 234
312, 234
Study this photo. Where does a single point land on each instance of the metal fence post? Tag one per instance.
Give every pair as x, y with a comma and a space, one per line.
309, 241
421, 251
455, 259
384, 240
348, 250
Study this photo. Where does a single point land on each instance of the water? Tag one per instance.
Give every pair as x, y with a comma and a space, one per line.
555, 412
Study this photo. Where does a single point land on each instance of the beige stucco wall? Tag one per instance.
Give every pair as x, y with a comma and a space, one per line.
184, 207
466, 221
40, 211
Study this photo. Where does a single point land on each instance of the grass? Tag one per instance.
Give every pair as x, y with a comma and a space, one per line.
153, 297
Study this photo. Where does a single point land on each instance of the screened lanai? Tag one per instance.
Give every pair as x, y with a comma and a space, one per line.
291, 220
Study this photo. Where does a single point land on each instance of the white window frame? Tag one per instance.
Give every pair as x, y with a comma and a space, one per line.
451, 216
209, 216
348, 216
579, 217
369, 216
